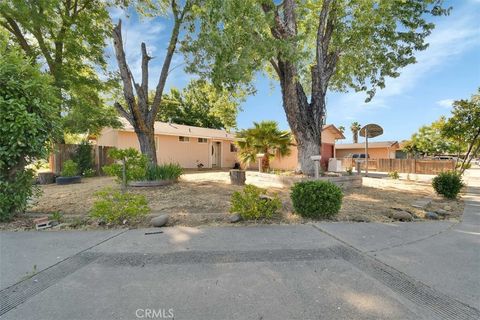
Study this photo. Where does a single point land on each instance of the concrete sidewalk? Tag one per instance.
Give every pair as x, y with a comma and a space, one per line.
425, 270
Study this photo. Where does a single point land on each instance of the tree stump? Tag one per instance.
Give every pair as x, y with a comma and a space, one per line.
237, 177
46, 177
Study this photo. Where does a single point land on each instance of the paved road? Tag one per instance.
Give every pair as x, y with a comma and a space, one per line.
315, 271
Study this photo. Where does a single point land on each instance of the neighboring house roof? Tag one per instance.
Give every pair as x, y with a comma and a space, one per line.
173, 129
372, 145
338, 133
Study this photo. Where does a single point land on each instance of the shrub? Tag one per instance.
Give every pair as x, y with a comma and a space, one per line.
89, 173
349, 171
316, 199
170, 171
250, 205
135, 164
114, 206
448, 184
70, 169
394, 175
29, 120
83, 157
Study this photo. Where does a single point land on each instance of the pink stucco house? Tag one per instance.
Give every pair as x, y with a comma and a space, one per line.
194, 147
189, 146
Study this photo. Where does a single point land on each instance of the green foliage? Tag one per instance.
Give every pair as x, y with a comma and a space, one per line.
70, 38
70, 169
349, 171
355, 128
463, 127
266, 138
316, 199
57, 216
28, 121
448, 184
135, 164
201, 104
373, 39
429, 140
250, 206
83, 157
169, 171
88, 173
113, 206
394, 175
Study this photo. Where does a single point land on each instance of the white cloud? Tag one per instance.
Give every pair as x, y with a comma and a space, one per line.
448, 40
445, 103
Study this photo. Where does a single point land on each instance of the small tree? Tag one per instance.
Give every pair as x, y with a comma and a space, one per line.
266, 138
28, 120
464, 128
355, 128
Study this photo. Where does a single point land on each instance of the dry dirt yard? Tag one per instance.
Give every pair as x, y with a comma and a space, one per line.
201, 198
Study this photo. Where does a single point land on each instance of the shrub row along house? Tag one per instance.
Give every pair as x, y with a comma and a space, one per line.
197, 147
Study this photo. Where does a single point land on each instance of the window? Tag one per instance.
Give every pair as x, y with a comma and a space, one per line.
202, 140
183, 139
233, 147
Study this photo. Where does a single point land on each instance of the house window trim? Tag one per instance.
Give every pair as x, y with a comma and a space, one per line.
205, 140
184, 141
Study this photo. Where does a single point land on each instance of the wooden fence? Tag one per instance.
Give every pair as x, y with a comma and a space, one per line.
64, 152
403, 165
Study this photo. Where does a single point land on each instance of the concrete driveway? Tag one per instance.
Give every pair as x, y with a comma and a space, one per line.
425, 270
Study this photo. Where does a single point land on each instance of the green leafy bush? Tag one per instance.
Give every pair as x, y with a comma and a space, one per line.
170, 171
29, 110
448, 184
135, 164
394, 175
83, 157
251, 206
70, 169
114, 206
316, 199
89, 173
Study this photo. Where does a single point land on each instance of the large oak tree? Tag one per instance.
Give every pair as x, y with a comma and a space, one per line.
310, 47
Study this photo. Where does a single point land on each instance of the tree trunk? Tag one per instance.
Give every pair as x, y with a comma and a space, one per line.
265, 162
147, 145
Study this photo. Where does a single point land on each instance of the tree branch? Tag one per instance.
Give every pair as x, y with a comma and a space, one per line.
12, 26
145, 60
123, 112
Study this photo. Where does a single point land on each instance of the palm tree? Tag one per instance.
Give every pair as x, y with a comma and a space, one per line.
265, 137
355, 127
341, 129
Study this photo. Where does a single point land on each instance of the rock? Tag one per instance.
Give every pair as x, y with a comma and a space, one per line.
159, 221
235, 218
442, 213
401, 216
421, 203
447, 208
431, 215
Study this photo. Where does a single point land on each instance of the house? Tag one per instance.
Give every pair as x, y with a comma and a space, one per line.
330, 134
376, 150
189, 146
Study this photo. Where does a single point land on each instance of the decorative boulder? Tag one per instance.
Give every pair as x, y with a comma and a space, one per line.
159, 221
401, 216
431, 215
235, 218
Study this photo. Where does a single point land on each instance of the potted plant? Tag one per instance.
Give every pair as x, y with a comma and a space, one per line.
69, 173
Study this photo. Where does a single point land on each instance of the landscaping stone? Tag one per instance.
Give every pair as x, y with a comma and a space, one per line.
442, 213
422, 203
235, 218
401, 216
431, 215
159, 221
447, 208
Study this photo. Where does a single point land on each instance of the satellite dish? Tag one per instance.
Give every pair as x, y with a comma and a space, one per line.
373, 130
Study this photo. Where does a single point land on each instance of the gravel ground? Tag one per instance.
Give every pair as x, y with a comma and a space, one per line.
201, 198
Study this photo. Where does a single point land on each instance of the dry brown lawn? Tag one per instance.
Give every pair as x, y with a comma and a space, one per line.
204, 198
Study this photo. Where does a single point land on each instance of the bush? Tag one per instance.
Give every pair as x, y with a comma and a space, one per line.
170, 171
448, 184
83, 157
394, 175
113, 206
88, 173
249, 204
316, 199
70, 169
135, 164
15, 193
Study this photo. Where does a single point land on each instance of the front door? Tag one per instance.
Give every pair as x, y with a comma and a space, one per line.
216, 154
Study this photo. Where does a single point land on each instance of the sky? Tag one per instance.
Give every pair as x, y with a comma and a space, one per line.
448, 70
